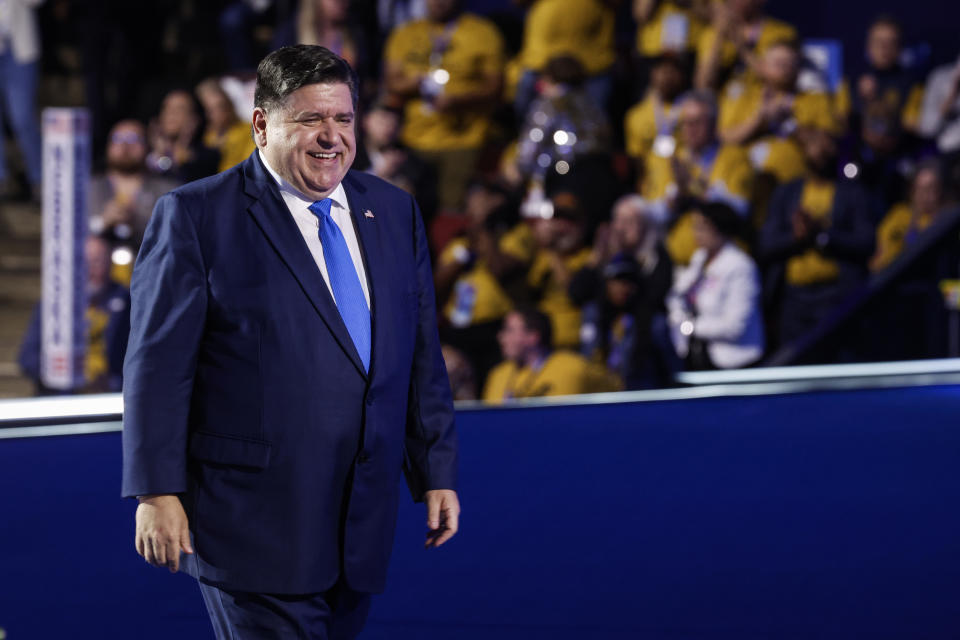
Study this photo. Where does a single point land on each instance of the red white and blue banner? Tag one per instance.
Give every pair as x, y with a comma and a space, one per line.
66, 175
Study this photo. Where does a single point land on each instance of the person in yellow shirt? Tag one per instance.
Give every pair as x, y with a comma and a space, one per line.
532, 369
666, 26
764, 116
885, 80
446, 70
735, 41
477, 273
818, 238
649, 126
583, 29
702, 169
561, 253
225, 132
905, 222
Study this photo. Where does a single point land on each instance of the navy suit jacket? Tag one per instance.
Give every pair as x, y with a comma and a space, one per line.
244, 394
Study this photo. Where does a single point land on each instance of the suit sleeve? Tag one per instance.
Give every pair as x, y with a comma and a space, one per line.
430, 460
777, 241
168, 308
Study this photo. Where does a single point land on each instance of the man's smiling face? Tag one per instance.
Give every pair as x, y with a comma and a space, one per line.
309, 139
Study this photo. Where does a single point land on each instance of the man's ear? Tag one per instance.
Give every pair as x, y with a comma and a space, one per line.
260, 127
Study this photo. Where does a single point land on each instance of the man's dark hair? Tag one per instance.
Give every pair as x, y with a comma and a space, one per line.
538, 322
287, 69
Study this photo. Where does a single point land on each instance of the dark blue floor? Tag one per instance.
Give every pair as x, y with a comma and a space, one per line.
826, 515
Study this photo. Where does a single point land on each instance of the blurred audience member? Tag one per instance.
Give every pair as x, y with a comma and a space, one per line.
715, 317
447, 71
237, 21
882, 158
176, 149
735, 42
699, 168
120, 201
562, 252
622, 293
19, 66
226, 131
818, 237
463, 383
940, 120
905, 222
564, 124
393, 13
532, 369
474, 273
940, 115
666, 26
108, 324
381, 153
583, 29
650, 125
765, 115
329, 23
885, 80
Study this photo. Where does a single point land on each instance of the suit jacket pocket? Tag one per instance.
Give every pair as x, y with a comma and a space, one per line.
230, 450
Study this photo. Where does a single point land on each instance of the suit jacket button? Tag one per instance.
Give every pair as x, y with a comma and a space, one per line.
370, 400
363, 458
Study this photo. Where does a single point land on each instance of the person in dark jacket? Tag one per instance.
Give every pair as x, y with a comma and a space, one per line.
622, 292
108, 325
817, 240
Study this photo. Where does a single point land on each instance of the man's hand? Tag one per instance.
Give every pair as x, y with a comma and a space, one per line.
443, 516
162, 531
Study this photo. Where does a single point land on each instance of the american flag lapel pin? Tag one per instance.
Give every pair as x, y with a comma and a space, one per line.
368, 214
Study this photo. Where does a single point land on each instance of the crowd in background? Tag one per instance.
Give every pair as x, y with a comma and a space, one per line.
600, 216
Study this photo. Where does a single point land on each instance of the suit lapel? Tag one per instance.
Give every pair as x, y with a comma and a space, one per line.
368, 235
272, 216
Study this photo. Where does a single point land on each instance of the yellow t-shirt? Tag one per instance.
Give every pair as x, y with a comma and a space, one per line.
909, 111
477, 297
96, 364
563, 373
671, 28
579, 28
812, 267
475, 51
644, 122
554, 299
730, 180
519, 243
771, 31
892, 234
779, 155
910, 116
234, 145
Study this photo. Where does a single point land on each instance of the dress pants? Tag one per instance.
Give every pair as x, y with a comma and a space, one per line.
336, 614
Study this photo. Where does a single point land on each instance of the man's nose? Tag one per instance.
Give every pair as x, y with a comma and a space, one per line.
326, 133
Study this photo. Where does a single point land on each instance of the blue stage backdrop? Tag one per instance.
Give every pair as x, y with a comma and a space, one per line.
821, 515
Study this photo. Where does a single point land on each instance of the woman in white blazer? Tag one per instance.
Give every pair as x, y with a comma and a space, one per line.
714, 306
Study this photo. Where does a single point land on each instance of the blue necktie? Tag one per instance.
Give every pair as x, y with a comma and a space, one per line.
344, 280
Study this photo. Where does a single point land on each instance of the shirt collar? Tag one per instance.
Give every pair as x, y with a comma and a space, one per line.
338, 195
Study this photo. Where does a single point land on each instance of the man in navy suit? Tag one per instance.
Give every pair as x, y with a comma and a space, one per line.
283, 368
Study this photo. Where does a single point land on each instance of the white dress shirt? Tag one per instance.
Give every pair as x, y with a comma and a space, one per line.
309, 226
